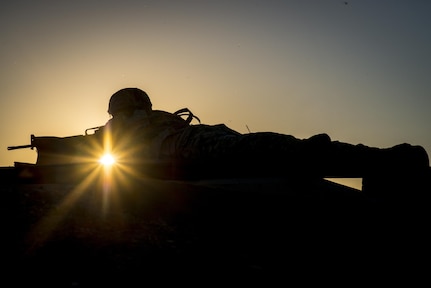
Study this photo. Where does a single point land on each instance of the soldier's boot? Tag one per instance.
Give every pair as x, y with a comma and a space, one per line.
398, 174
399, 185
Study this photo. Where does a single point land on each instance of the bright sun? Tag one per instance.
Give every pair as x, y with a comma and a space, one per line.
107, 160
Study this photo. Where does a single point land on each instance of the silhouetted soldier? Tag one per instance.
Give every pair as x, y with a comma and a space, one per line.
216, 150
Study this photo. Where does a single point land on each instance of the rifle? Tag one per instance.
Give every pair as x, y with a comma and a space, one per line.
61, 157
65, 150
33, 138
66, 159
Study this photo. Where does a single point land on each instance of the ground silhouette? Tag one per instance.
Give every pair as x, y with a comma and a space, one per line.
208, 231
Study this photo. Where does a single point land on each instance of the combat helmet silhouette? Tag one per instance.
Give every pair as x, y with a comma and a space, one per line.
129, 99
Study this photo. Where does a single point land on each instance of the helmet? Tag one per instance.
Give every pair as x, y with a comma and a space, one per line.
129, 99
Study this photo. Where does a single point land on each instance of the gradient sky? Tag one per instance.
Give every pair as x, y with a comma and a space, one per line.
360, 71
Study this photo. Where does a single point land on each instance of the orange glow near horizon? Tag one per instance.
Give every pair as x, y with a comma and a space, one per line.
304, 63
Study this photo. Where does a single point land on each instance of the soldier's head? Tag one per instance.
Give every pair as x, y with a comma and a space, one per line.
128, 100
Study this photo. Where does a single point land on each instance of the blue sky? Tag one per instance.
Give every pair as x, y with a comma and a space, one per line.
359, 71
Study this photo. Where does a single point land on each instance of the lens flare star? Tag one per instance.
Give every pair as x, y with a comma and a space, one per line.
107, 160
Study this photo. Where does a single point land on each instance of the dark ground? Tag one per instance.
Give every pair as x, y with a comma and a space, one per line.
228, 232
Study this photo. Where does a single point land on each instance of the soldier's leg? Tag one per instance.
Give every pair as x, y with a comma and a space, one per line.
392, 172
396, 173
269, 153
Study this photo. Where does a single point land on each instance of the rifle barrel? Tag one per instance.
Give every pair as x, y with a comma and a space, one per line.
19, 147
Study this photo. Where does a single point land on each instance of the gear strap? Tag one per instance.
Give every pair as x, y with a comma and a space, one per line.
190, 116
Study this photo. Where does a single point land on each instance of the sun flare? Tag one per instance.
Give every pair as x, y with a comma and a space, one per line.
107, 160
